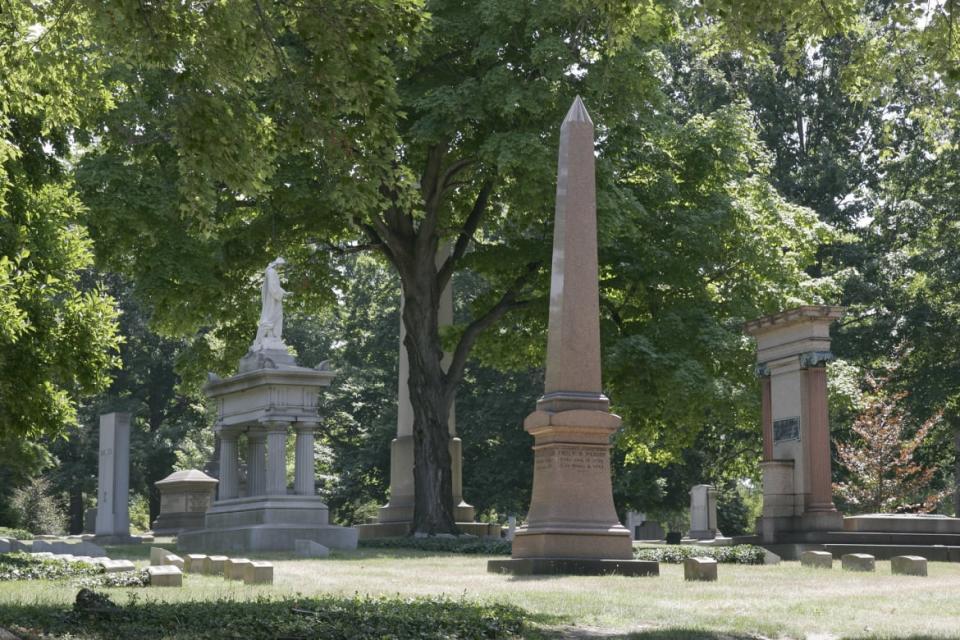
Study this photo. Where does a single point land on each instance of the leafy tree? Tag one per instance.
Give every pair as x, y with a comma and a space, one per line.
57, 331
884, 474
382, 125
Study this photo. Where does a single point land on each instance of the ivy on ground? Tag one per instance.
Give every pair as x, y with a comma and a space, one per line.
23, 566
469, 546
95, 616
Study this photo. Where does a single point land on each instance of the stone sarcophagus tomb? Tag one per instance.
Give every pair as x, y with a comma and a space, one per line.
185, 497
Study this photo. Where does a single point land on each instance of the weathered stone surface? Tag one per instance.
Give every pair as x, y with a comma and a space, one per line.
173, 559
700, 569
117, 566
157, 554
908, 565
233, 568
165, 576
5, 545
703, 512
193, 562
258, 573
817, 559
113, 509
311, 549
213, 565
858, 562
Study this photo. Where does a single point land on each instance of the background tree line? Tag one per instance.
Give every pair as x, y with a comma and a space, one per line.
751, 156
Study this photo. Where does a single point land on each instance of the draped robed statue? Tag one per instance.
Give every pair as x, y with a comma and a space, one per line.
270, 329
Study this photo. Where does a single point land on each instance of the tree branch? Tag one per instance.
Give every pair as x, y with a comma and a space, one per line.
466, 234
508, 301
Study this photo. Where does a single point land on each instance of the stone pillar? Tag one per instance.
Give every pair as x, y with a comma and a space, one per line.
766, 417
304, 482
792, 350
571, 514
256, 464
818, 428
277, 459
229, 487
113, 508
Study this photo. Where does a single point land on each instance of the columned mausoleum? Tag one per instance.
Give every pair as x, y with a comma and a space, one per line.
268, 399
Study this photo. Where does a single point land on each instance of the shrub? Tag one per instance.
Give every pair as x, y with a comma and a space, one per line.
139, 513
328, 617
17, 534
36, 510
470, 546
675, 554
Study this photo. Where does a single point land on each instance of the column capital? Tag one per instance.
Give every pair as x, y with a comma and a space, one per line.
226, 434
275, 427
815, 359
306, 425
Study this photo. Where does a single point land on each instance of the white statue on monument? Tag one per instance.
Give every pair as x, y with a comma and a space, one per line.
270, 329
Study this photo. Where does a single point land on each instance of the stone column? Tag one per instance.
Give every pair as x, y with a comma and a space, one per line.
818, 430
766, 415
572, 516
228, 487
113, 508
304, 482
256, 464
277, 459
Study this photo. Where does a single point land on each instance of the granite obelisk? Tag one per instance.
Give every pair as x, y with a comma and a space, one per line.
572, 525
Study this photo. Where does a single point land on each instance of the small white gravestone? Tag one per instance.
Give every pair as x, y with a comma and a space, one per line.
816, 559
258, 573
165, 576
703, 512
704, 569
511, 527
908, 565
858, 562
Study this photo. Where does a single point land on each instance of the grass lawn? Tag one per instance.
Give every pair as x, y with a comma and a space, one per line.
748, 601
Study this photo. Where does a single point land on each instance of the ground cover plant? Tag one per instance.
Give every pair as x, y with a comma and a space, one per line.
747, 601
472, 546
17, 534
23, 566
737, 554
94, 616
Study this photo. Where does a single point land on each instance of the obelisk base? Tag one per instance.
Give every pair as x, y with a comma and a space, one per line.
573, 525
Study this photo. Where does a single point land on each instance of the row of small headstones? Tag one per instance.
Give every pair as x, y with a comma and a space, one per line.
706, 568
109, 565
166, 569
899, 565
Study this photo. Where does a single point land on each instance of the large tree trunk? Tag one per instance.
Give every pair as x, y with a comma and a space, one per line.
433, 479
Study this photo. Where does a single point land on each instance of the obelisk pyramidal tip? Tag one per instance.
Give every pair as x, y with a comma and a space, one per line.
578, 113
573, 343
